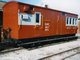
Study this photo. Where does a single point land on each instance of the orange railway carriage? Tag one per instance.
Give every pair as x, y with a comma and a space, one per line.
28, 21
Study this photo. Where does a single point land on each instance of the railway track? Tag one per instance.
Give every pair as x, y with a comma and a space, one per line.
60, 51
30, 48
75, 51
10, 50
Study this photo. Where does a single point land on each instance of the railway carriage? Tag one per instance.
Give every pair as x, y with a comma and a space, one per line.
29, 23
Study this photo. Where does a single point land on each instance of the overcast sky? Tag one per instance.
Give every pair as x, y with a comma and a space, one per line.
72, 6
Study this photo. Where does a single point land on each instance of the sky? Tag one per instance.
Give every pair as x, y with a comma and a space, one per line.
72, 6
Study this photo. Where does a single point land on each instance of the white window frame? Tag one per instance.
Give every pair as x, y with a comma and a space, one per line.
66, 21
39, 18
21, 22
75, 21
69, 21
72, 21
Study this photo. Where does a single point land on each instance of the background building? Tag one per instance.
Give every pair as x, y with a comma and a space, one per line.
1, 4
78, 32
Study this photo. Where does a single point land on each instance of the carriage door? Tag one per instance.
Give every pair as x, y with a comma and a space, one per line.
38, 23
1, 22
59, 25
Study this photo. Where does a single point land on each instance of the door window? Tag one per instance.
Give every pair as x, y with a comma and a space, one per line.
38, 18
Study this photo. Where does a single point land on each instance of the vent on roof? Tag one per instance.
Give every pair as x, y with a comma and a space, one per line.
46, 6
63, 13
31, 8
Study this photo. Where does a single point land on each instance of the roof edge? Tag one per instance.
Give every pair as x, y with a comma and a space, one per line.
39, 7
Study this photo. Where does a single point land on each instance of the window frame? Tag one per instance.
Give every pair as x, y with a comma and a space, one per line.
21, 22
70, 21
76, 22
39, 18
67, 21
73, 21
24, 19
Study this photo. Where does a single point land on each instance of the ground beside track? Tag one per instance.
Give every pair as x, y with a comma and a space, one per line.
44, 52
78, 35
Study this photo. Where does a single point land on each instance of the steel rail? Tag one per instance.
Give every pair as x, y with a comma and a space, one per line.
10, 50
60, 53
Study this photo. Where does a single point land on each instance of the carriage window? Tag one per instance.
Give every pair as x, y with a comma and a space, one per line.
70, 20
26, 18
38, 18
66, 20
73, 21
